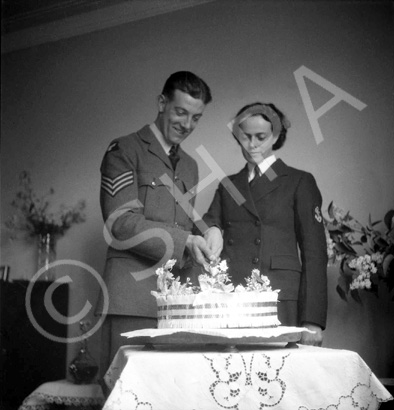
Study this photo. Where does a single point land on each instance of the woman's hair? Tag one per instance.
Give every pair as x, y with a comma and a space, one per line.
190, 84
284, 122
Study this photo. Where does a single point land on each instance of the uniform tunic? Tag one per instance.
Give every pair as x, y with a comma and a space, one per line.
280, 231
150, 219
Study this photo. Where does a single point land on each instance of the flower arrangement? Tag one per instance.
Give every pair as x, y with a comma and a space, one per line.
168, 285
256, 282
214, 280
33, 214
365, 253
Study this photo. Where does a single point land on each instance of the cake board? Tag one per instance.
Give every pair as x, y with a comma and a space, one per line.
225, 338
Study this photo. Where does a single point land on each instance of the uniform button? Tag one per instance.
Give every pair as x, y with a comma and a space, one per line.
257, 241
257, 222
255, 261
230, 241
176, 178
228, 223
176, 224
153, 183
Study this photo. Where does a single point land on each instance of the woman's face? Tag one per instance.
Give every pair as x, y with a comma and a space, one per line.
256, 139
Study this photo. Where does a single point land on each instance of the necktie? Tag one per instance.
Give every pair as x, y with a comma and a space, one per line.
173, 156
257, 175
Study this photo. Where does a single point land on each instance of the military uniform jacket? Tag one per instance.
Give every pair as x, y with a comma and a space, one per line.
147, 219
279, 231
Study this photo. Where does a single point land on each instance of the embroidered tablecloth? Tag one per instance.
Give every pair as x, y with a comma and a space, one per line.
251, 377
64, 392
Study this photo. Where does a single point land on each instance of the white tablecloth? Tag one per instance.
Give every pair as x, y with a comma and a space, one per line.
64, 392
275, 377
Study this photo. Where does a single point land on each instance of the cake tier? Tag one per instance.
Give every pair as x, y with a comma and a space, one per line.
218, 310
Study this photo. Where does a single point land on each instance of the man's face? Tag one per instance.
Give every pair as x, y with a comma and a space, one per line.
178, 117
256, 139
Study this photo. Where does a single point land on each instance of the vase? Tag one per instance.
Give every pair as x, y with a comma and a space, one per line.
46, 254
83, 368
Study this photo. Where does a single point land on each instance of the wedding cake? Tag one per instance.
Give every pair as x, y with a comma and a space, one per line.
215, 303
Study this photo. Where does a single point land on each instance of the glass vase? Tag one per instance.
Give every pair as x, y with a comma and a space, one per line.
46, 255
83, 368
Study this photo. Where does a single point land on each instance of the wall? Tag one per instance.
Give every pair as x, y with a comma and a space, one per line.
63, 102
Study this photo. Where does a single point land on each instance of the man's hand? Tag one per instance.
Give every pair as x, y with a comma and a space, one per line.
312, 339
199, 250
214, 239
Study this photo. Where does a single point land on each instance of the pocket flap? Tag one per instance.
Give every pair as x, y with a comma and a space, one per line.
285, 262
148, 178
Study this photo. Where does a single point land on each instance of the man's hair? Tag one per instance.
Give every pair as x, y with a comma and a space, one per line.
190, 84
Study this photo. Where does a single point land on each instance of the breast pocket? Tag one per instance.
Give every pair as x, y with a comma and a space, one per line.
155, 196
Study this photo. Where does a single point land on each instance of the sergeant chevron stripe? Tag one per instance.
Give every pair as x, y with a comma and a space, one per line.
113, 186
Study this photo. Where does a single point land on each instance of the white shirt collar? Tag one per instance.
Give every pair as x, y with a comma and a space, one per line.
166, 146
263, 166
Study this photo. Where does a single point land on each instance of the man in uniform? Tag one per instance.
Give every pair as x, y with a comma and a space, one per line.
147, 224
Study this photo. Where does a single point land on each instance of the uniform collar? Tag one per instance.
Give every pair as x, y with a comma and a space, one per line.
263, 166
159, 136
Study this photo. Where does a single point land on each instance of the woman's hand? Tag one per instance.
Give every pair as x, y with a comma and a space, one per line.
312, 339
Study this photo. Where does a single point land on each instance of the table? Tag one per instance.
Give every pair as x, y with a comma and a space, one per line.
66, 393
251, 377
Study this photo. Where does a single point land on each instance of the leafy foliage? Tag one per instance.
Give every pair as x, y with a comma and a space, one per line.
365, 253
33, 215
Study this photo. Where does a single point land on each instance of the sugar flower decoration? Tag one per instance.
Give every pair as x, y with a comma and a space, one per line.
216, 279
258, 282
168, 285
